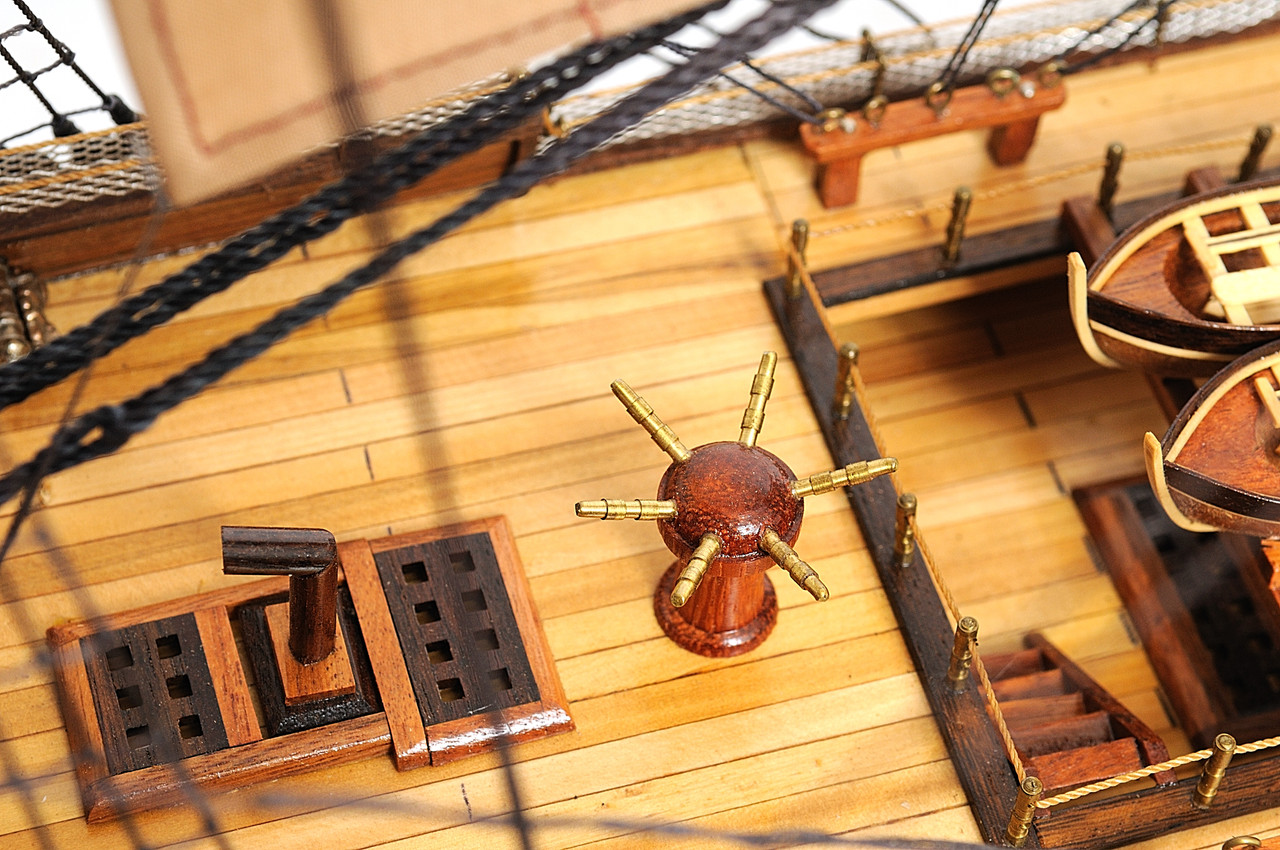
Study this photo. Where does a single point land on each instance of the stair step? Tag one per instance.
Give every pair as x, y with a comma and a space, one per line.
1024, 713
1043, 684
1072, 768
1006, 665
1067, 733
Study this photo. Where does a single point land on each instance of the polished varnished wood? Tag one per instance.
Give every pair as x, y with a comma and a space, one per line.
1151, 296
476, 384
1013, 118
162, 715
737, 493
309, 557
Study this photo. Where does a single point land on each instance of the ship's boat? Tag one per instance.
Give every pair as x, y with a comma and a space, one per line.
1189, 288
1217, 467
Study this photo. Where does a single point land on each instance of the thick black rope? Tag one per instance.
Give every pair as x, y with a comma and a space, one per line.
109, 427
951, 73
482, 122
1159, 9
807, 117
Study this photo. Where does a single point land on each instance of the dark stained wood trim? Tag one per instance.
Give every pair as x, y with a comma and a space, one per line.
1202, 488
975, 749
1252, 783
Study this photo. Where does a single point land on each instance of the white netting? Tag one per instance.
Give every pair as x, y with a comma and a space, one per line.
114, 162
836, 75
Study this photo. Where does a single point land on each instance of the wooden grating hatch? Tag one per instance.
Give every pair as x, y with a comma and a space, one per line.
460, 639
444, 649
153, 694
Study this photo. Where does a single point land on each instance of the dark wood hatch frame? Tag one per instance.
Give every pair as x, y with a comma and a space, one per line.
973, 743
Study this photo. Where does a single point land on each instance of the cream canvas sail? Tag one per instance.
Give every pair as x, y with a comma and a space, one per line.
236, 89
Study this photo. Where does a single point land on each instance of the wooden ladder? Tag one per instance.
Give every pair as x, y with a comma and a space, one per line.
1068, 730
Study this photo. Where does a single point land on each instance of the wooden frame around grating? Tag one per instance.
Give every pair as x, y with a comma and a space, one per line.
249, 757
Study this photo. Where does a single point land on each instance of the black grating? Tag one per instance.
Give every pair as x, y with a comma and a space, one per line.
458, 633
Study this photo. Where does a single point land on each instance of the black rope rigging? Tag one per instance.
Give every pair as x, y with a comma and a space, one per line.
59, 120
322, 213
1159, 11
107, 428
946, 80
900, 7
815, 107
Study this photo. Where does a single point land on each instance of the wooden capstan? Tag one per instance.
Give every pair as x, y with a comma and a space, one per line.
728, 511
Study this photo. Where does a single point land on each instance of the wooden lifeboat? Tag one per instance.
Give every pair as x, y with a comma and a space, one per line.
1187, 289
1218, 466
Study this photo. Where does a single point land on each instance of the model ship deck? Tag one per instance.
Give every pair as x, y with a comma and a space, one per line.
476, 386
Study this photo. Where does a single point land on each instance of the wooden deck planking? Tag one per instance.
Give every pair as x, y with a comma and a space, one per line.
515, 328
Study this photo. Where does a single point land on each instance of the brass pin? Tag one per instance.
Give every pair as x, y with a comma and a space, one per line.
847, 476
13, 336
643, 413
1224, 747
962, 653
626, 509
695, 569
1024, 809
784, 556
845, 382
1050, 74
1257, 147
761, 387
796, 259
904, 531
955, 227
31, 296
1110, 178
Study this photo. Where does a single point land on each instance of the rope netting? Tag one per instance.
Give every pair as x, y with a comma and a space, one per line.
85, 166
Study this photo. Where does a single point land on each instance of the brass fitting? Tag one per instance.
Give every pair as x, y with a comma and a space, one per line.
855, 473
904, 531
13, 335
1224, 747
962, 653
784, 556
1024, 809
761, 387
1257, 146
1110, 178
643, 414
845, 382
693, 572
796, 260
960, 204
626, 509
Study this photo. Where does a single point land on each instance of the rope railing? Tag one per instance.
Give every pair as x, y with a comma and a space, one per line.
798, 268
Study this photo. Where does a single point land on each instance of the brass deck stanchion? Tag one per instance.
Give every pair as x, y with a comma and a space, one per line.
904, 531
1024, 809
795, 261
955, 227
845, 364
1257, 147
962, 653
1224, 747
1110, 178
